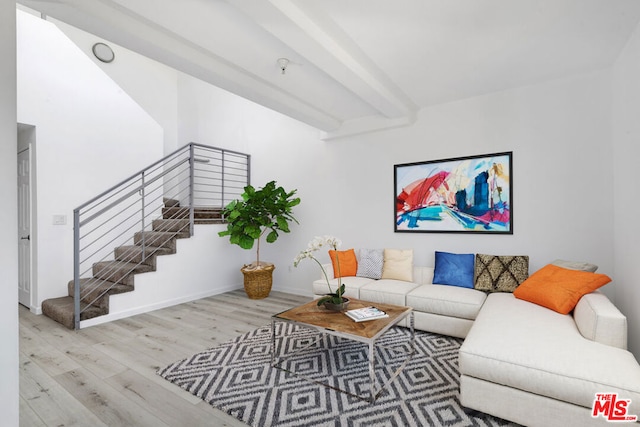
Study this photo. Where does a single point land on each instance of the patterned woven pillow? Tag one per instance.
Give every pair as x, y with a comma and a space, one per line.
370, 262
500, 273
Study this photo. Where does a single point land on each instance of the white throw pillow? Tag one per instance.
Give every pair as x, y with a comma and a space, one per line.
398, 264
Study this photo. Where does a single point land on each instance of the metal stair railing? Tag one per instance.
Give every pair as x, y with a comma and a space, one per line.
193, 177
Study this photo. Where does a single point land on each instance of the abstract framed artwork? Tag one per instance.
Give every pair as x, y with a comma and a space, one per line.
460, 195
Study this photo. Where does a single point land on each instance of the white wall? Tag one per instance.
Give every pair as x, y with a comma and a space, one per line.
90, 136
559, 133
212, 116
626, 134
151, 84
203, 265
9, 386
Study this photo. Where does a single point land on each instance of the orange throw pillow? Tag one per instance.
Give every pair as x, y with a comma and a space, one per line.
559, 289
348, 263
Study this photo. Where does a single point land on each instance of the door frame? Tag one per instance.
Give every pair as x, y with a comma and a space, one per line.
27, 141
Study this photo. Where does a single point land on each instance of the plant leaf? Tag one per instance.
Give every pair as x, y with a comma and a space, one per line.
272, 236
282, 223
245, 242
323, 300
252, 231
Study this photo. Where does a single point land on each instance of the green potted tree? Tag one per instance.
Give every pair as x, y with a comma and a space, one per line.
267, 210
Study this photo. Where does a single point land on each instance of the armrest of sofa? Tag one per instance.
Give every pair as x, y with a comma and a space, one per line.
601, 321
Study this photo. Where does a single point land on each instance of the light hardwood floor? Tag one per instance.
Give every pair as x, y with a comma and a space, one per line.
105, 375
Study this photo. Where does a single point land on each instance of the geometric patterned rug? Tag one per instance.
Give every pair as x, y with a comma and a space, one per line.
236, 377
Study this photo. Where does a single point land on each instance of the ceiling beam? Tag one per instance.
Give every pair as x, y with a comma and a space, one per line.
317, 39
123, 26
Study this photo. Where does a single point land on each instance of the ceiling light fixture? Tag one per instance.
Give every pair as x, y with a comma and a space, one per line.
283, 63
103, 52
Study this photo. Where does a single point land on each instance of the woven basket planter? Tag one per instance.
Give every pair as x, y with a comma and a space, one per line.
257, 282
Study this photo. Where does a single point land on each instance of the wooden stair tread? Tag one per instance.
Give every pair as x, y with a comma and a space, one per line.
209, 221
62, 311
133, 253
171, 225
162, 239
198, 213
97, 289
119, 271
168, 202
133, 267
151, 236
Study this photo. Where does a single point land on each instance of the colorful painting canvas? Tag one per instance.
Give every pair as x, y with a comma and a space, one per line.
461, 195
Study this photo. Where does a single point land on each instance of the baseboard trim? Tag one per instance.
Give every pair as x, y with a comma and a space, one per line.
147, 308
296, 290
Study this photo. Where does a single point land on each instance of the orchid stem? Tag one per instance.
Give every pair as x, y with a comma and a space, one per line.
323, 272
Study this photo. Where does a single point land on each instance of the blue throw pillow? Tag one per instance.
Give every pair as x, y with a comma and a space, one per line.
454, 269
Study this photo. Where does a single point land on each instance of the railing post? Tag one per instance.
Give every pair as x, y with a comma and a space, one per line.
76, 268
142, 234
191, 187
222, 181
248, 169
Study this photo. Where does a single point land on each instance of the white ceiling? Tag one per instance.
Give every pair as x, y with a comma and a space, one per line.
361, 65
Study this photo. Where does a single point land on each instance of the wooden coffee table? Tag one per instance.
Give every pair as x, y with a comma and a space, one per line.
338, 324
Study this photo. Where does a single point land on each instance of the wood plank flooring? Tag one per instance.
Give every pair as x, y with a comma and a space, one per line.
105, 375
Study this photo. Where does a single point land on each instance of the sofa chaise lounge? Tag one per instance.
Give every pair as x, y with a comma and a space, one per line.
519, 361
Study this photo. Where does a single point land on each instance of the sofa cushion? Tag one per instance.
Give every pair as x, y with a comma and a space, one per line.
599, 320
370, 262
387, 291
454, 269
352, 286
525, 346
422, 275
500, 273
558, 288
445, 300
398, 264
344, 263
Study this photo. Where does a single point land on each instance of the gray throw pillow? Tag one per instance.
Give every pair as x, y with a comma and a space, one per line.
575, 265
370, 263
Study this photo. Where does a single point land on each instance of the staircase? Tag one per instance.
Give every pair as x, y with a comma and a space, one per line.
117, 276
121, 232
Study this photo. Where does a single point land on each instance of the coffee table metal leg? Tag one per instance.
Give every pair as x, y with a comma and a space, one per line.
413, 333
372, 372
273, 341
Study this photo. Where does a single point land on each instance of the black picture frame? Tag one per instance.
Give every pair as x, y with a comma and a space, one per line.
472, 195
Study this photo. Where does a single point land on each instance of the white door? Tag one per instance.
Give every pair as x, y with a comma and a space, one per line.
24, 230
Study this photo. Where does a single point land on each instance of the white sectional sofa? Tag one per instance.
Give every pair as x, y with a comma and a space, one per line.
519, 361
447, 310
